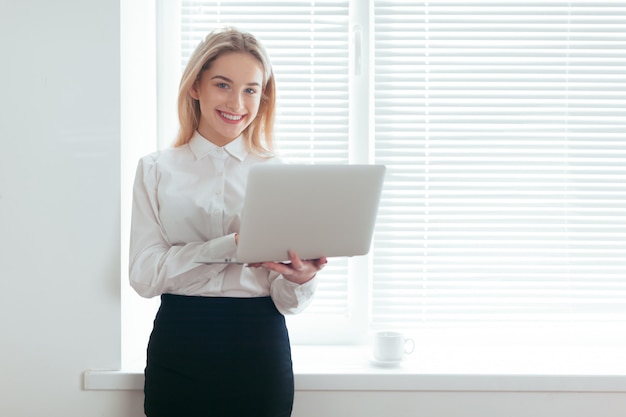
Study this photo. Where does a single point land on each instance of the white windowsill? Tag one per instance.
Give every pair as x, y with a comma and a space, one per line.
348, 368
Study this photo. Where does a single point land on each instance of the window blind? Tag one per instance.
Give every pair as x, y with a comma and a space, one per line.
308, 44
503, 127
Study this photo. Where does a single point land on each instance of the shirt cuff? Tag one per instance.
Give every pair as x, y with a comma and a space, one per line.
220, 248
292, 298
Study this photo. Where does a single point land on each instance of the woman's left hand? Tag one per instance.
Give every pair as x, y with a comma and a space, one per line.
298, 271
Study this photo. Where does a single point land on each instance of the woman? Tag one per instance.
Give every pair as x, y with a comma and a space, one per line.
219, 346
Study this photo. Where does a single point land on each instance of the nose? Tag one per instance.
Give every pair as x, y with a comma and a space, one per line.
235, 101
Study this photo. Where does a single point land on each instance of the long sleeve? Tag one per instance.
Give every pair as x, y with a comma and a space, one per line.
291, 298
156, 266
187, 204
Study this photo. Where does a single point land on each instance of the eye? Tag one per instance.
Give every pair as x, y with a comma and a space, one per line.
251, 91
222, 85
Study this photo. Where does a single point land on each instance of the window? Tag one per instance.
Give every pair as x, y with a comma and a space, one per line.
503, 128
308, 44
503, 125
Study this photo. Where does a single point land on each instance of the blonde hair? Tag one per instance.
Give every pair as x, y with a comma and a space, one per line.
258, 136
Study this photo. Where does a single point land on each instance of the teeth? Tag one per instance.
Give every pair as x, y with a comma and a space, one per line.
231, 117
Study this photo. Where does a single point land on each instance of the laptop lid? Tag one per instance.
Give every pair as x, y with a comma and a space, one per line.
314, 210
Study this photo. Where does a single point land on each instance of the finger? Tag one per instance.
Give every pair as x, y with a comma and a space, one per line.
320, 263
278, 267
296, 262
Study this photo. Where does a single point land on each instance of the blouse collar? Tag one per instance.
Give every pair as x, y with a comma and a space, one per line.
202, 147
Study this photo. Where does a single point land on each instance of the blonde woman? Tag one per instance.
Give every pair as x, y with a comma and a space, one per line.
219, 346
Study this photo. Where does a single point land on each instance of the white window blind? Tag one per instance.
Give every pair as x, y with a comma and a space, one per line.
308, 43
503, 126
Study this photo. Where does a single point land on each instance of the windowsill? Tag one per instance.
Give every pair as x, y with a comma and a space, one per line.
441, 368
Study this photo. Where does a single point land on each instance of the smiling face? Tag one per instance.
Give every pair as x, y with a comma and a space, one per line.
229, 93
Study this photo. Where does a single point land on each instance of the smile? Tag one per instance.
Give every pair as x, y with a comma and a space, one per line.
231, 117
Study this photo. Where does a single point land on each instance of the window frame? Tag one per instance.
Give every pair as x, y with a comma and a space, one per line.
145, 125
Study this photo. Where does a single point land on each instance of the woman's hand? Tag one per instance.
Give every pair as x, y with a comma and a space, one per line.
298, 271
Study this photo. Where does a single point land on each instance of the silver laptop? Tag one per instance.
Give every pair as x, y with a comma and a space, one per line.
313, 210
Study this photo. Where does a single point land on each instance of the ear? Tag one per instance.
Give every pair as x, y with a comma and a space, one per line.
193, 91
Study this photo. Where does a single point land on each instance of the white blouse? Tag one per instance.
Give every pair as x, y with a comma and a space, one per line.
186, 202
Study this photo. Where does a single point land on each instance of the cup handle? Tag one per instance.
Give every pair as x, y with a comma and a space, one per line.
411, 346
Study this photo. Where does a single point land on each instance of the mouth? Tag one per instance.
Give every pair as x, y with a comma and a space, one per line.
230, 118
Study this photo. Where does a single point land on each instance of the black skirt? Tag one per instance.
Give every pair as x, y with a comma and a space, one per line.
218, 356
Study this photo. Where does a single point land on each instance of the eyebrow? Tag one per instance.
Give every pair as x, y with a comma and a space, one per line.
221, 77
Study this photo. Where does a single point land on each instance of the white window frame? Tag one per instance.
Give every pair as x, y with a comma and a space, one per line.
141, 126
304, 329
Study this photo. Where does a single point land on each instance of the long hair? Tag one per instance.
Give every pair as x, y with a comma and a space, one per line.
258, 136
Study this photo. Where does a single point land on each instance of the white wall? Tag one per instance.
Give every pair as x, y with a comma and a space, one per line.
59, 228
59, 207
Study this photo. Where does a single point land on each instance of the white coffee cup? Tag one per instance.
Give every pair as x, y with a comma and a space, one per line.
391, 346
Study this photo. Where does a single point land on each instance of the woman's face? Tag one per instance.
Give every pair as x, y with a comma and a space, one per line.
229, 93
